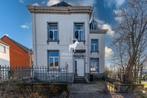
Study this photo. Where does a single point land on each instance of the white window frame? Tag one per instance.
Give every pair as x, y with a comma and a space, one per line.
81, 32
54, 31
94, 45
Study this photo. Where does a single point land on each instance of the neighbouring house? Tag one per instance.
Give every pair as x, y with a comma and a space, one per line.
4, 60
55, 29
20, 56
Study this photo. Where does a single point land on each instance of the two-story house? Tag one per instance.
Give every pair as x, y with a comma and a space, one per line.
20, 56
54, 29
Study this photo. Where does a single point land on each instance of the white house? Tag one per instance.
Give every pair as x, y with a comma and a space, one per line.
4, 61
55, 29
4, 54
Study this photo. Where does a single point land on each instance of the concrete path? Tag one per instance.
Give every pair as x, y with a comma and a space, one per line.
94, 90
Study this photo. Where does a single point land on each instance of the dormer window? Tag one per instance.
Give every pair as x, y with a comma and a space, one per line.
93, 25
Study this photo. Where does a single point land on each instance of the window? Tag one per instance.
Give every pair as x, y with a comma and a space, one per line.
94, 45
94, 65
53, 32
53, 59
2, 49
79, 33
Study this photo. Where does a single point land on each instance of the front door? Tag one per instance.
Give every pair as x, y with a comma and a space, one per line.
79, 67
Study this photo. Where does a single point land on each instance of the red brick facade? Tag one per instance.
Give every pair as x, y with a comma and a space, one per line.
20, 56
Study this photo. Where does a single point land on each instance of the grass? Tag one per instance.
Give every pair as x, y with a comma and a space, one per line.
145, 84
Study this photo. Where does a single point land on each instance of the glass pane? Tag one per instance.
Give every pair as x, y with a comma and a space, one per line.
51, 35
76, 34
53, 26
51, 62
56, 62
56, 35
54, 54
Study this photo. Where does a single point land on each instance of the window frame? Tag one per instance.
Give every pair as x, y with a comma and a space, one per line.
96, 45
4, 48
48, 32
54, 59
98, 64
81, 40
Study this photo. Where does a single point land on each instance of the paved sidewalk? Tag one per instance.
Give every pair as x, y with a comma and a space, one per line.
94, 90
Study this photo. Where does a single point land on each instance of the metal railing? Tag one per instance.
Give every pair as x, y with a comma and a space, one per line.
36, 75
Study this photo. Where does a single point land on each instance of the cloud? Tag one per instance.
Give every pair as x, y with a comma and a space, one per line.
35, 4
6, 34
116, 3
52, 2
21, 1
109, 28
118, 15
25, 26
119, 2
83, 2
108, 52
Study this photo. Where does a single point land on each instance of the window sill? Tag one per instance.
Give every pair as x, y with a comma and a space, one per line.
48, 41
94, 52
80, 41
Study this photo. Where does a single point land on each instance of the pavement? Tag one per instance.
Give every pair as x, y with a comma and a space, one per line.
94, 90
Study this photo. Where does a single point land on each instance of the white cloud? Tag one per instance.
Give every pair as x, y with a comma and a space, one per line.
109, 28
25, 26
84, 2
52, 2
21, 1
108, 52
116, 3
6, 34
35, 4
118, 15
119, 2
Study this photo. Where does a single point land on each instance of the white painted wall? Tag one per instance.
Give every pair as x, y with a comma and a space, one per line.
4, 56
101, 53
66, 31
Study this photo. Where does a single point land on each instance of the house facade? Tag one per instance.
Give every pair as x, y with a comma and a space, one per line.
57, 27
20, 56
4, 60
4, 54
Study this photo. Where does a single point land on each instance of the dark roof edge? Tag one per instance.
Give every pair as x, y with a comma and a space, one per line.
18, 44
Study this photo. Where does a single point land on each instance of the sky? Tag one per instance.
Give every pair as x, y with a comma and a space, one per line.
16, 20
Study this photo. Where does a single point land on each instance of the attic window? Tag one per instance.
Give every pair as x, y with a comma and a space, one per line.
93, 25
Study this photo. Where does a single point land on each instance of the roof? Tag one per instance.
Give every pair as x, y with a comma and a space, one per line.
18, 44
61, 4
3, 43
61, 7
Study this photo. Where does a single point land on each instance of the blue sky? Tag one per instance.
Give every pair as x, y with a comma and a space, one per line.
16, 21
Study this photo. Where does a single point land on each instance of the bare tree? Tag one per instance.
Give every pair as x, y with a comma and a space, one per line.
131, 38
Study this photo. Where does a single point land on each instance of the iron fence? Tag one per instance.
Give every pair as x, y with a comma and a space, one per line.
36, 74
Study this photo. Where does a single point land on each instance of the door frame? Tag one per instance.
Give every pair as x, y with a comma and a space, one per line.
74, 68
